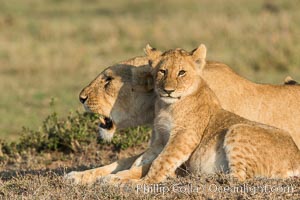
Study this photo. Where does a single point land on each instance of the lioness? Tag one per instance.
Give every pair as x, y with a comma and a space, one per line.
128, 85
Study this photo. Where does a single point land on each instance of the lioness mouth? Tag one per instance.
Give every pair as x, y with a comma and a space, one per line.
106, 123
161, 96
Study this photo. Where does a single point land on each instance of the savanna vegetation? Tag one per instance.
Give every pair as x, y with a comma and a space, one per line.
49, 50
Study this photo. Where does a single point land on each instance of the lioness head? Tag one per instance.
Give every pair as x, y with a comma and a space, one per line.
119, 94
176, 72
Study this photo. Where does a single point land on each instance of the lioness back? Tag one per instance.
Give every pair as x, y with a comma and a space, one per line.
275, 105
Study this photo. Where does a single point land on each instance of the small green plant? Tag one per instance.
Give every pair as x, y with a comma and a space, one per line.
72, 134
60, 134
130, 137
69, 135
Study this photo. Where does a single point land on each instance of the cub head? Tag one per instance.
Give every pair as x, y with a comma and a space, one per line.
176, 72
119, 94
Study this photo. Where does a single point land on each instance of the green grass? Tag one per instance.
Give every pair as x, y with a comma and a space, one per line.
53, 48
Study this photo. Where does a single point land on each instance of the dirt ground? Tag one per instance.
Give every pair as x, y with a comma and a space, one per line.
41, 177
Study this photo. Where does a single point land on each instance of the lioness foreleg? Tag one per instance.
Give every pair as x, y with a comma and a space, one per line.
139, 168
92, 175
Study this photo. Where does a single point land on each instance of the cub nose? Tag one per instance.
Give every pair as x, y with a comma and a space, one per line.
168, 91
82, 98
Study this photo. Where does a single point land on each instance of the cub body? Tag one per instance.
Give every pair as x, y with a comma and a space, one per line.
203, 135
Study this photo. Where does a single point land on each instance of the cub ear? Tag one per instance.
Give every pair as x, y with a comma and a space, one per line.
152, 54
199, 54
142, 80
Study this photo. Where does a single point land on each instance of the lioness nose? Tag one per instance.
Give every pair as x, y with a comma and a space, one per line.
168, 91
82, 98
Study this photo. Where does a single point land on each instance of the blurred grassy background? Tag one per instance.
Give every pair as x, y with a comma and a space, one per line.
53, 48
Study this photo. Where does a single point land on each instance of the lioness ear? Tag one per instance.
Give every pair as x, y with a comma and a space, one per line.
152, 54
290, 81
142, 80
199, 54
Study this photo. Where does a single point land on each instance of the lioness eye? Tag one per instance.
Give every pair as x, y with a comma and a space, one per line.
162, 71
108, 80
181, 73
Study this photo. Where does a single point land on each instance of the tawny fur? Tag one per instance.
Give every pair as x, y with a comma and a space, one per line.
264, 103
130, 89
208, 137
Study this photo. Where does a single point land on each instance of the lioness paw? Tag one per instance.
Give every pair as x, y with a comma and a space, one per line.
116, 180
77, 178
112, 179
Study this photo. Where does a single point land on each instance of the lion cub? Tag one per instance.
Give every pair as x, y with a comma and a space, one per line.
192, 127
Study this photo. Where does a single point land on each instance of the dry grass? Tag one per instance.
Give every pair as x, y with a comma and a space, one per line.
51, 185
44, 180
52, 48
33, 175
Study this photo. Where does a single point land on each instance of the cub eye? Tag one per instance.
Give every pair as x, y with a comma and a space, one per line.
181, 73
162, 71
